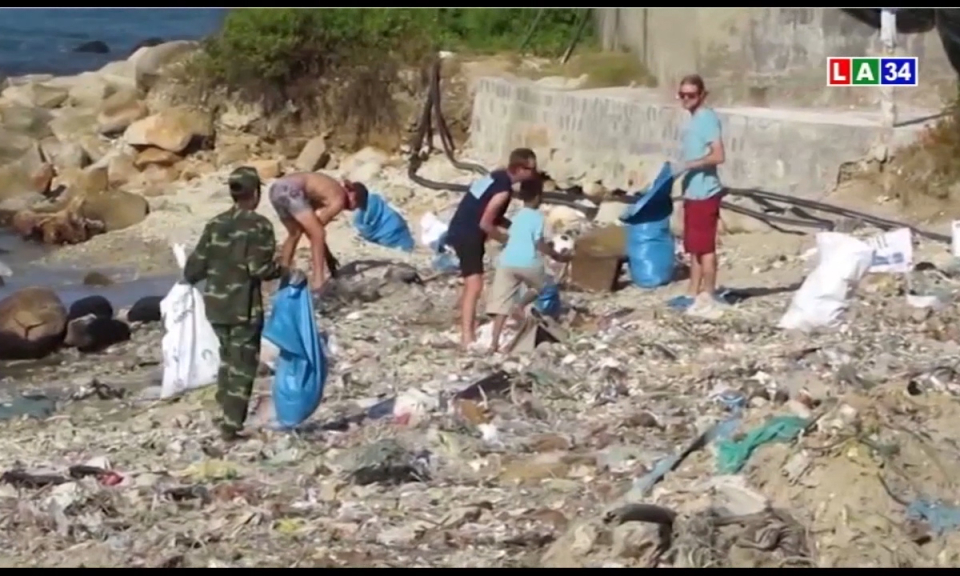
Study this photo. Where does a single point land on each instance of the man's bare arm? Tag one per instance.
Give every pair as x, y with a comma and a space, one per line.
334, 201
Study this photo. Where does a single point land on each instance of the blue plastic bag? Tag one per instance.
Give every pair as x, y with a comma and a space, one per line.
381, 224
445, 259
649, 243
548, 301
301, 368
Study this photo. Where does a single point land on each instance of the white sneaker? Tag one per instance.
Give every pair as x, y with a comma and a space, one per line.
706, 306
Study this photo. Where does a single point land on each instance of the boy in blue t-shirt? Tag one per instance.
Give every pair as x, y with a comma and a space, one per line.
520, 263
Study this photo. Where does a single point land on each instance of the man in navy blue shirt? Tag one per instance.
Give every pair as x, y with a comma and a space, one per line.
479, 216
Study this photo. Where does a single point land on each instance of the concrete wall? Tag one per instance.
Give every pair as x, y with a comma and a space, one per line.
621, 136
768, 56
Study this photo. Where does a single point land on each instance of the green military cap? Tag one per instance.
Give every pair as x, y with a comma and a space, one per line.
244, 178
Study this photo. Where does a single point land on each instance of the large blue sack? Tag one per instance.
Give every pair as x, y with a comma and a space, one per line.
301, 369
649, 243
381, 224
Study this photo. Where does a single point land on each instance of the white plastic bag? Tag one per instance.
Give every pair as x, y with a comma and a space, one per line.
892, 252
431, 229
191, 351
843, 261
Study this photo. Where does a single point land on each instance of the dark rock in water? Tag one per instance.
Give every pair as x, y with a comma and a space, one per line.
2, 283
32, 323
146, 43
93, 334
93, 47
146, 309
97, 279
91, 305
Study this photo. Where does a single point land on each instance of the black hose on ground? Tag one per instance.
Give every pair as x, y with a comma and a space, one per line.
882, 223
433, 115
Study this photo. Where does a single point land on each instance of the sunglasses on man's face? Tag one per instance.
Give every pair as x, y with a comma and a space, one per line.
687, 95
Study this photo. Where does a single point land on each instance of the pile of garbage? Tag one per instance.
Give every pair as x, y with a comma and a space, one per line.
644, 438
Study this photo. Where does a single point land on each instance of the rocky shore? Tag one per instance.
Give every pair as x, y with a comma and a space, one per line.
591, 452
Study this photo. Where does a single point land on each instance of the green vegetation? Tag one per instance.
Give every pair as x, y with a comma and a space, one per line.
505, 29
284, 45
352, 57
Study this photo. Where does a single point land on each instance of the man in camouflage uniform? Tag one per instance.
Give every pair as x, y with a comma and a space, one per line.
235, 255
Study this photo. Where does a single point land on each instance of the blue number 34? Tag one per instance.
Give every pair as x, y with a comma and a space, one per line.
893, 72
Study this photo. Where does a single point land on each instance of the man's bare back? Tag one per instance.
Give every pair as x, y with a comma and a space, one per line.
327, 196
306, 202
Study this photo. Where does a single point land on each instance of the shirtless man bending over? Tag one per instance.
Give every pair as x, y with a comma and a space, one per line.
306, 202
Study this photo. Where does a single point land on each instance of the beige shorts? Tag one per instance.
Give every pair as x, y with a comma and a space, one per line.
507, 282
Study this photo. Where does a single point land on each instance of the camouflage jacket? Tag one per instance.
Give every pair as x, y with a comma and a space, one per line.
234, 255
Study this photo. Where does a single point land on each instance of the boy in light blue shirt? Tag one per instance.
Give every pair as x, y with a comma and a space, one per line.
520, 263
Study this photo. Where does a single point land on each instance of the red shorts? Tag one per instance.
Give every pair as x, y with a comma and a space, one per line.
700, 221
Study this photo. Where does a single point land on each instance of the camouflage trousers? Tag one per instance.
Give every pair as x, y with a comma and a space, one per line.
239, 360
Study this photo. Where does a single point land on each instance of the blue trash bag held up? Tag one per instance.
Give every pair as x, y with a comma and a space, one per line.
650, 245
301, 368
548, 301
381, 224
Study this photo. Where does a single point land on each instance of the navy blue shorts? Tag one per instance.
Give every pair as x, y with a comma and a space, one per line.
470, 250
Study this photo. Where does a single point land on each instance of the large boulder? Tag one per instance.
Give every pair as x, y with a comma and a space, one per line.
95, 305
155, 157
116, 209
146, 309
32, 323
30, 121
119, 111
121, 73
364, 165
149, 61
121, 170
95, 147
94, 333
12, 205
64, 155
173, 129
28, 174
71, 123
36, 94
266, 169
56, 228
89, 90
87, 182
13, 145
314, 155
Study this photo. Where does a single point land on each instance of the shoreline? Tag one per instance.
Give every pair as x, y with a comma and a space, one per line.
121, 30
